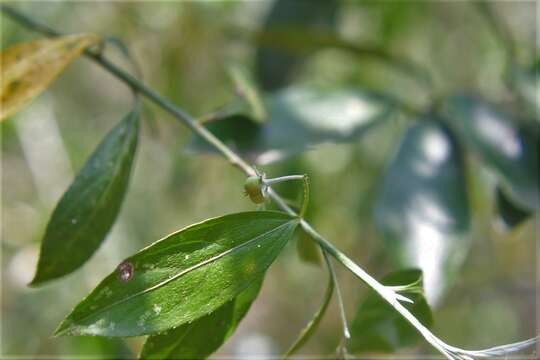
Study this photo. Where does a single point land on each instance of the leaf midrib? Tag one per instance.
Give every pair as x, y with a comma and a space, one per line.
181, 273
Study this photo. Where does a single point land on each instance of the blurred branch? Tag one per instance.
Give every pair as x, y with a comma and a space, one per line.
297, 41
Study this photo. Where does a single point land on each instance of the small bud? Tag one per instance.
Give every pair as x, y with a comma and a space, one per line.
255, 189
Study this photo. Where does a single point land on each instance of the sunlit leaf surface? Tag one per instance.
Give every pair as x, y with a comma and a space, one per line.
422, 210
182, 277
378, 327
199, 339
28, 68
87, 210
507, 147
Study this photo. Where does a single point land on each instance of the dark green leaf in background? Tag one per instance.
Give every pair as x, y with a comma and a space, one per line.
182, 277
377, 327
88, 209
510, 214
299, 118
508, 148
275, 69
422, 210
199, 339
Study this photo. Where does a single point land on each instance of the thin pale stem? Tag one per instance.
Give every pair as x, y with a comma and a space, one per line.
342, 313
304, 178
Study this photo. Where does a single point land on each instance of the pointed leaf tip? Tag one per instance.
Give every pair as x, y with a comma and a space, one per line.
88, 209
184, 276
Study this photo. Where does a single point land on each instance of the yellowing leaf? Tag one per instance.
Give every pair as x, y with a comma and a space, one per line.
28, 68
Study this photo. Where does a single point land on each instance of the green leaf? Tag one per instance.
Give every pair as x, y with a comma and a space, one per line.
510, 149
510, 214
86, 212
203, 336
298, 119
182, 277
275, 69
378, 327
422, 208
313, 325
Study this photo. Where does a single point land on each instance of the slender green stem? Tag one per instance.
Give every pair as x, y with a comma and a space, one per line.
386, 293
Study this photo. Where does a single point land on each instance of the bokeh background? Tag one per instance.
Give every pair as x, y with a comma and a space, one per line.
183, 49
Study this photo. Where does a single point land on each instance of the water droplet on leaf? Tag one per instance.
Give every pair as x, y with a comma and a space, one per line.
73, 221
125, 271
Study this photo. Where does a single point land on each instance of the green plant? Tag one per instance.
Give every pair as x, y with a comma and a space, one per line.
203, 278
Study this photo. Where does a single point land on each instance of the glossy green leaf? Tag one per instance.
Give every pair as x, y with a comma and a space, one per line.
86, 212
378, 327
422, 209
182, 277
275, 69
510, 214
199, 339
508, 148
298, 119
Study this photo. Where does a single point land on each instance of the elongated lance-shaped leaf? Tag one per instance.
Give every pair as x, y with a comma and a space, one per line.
182, 277
422, 210
378, 327
28, 68
505, 145
313, 325
203, 336
86, 212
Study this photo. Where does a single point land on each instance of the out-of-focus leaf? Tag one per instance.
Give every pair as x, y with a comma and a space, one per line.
248, 91
87, 210
275, 69
422, 209
508, 148
182, 277
239, 132
300, 118
203, 336
307, 249
29, 68
313, 325
510, 214
377, 327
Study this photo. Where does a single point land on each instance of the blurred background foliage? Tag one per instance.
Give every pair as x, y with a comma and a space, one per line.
185, 50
